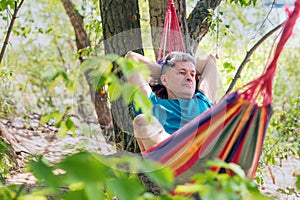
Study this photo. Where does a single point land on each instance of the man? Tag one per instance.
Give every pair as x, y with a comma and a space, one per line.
185, 99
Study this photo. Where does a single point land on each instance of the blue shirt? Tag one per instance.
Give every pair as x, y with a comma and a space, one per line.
175, 113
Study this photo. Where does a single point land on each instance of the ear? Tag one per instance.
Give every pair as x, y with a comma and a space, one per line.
163, 79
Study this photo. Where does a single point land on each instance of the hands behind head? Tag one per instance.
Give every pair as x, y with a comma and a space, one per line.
203, 61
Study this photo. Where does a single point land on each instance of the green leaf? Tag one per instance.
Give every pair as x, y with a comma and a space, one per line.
63, 130
191, 188
88, 170
159, 174
298, 182
100, 75
128, 92
232, 166
43, 172
4, 147
142, 102
244, 2
51, 75
85, 167
237, 170
99, 64
94, 192
56, 115
112, 57
65, 127
114, 87
127, 66
228, 67
98, 80
126, 188
6, 4
70, 124
77, 194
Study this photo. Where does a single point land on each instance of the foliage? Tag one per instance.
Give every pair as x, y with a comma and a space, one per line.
62, 121
6, 4
244, 2
284, 133
7, 104
87, 175
6, 160
298, 182
212, 185
103, 74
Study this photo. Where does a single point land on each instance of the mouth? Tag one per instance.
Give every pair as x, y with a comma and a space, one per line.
189, 85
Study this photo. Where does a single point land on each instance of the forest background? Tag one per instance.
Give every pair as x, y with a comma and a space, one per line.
41, 71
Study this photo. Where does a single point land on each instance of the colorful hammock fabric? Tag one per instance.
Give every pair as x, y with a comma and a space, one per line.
232, 130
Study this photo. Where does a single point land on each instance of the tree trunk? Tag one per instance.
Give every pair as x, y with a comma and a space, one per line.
194, 27
197, 23
121, 31
99, 99
157, 12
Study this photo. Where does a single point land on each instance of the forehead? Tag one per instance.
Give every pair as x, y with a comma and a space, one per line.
184, 65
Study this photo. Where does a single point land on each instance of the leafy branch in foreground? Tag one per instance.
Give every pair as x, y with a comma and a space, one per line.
86, 175
103, 72
212, 185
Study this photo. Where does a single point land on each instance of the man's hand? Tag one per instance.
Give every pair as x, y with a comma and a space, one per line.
155, 68
203, 61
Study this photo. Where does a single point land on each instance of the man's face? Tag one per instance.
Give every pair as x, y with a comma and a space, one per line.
180, 80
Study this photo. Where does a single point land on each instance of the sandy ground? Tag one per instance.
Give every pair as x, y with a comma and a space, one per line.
280, 180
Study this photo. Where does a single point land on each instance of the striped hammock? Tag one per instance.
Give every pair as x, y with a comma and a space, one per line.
233, 130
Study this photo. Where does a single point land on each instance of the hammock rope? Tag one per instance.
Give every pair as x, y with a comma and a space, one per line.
233, 130
172, 37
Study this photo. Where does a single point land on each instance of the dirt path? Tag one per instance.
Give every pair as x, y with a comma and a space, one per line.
280, 180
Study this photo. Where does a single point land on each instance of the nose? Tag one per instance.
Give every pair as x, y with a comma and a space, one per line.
189, 77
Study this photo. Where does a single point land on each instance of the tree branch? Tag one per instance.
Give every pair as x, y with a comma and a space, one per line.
16, 9
248, 55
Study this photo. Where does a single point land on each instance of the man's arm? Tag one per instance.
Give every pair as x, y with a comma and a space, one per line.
137, 79
206, 67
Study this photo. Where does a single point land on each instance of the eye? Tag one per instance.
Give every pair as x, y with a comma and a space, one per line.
182, 72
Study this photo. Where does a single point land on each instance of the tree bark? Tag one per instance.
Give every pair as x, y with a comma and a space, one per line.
194, 27
157, 12
121, 26
197, 23
99, 98
121, 32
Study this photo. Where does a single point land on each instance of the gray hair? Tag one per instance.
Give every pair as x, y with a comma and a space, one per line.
176, 56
